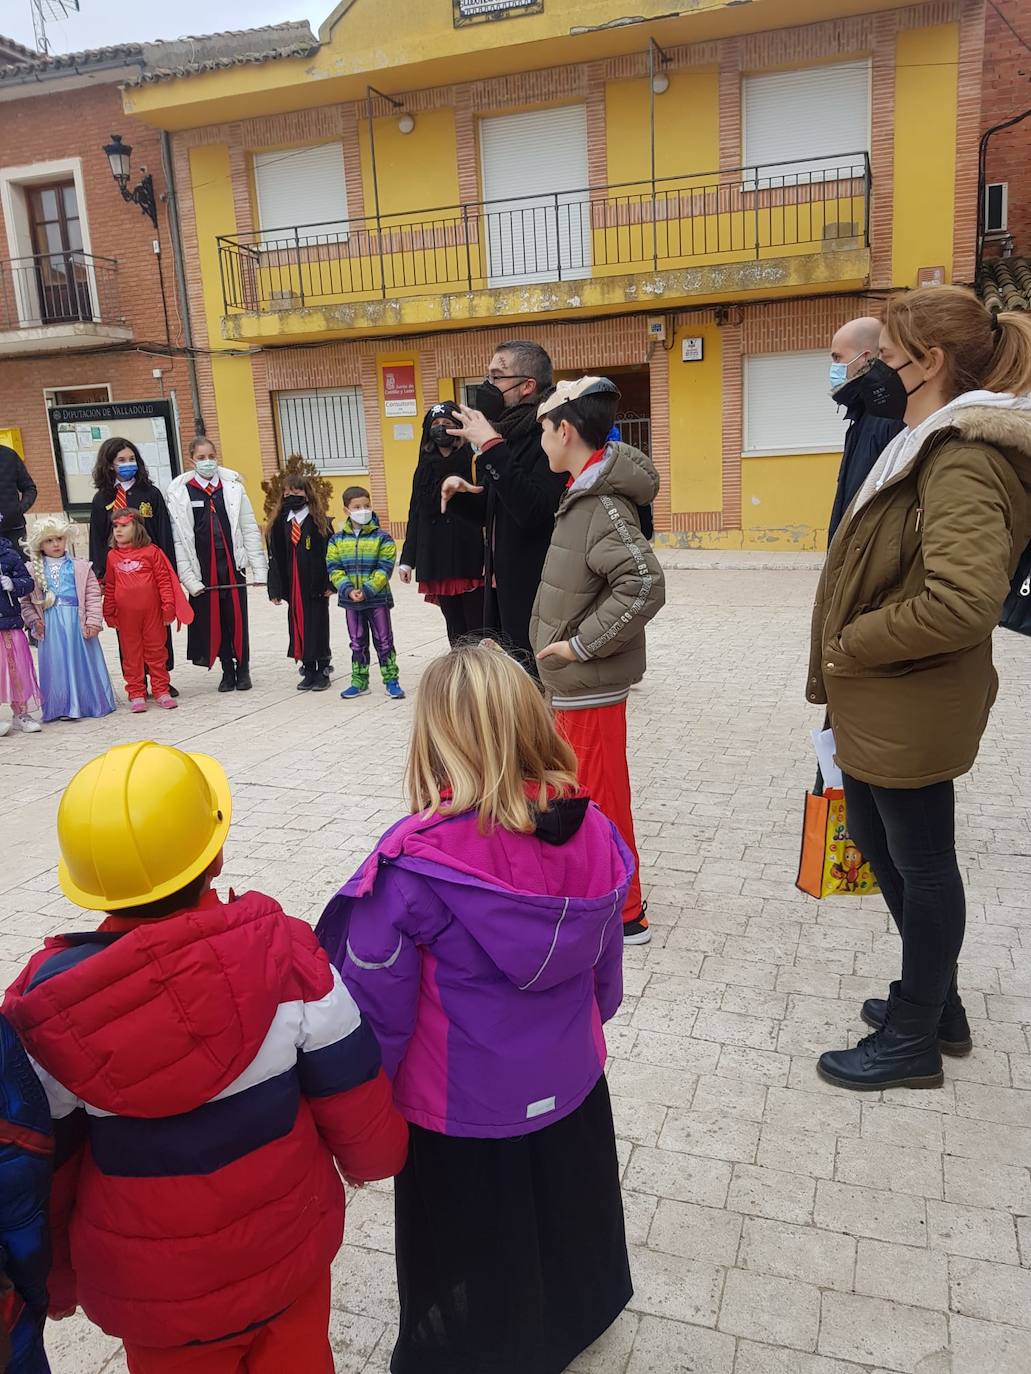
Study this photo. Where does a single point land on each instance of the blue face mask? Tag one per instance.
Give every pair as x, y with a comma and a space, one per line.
126, 471
839, 372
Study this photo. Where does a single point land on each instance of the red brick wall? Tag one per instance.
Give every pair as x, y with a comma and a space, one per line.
77, 123
1006, 92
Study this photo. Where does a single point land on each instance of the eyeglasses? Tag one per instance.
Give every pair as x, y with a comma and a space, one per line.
505, 377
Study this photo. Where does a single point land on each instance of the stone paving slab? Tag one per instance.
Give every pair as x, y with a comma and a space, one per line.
777, 1225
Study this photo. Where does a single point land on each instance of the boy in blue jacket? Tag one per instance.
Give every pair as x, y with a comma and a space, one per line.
360, 560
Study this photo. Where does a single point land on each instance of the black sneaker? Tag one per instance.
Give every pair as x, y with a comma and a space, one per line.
636, 932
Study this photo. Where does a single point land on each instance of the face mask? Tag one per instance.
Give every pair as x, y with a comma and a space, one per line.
440, 436
489, 400
294, 503
882, 391
126, 471
206, 468
360, 517
839, 372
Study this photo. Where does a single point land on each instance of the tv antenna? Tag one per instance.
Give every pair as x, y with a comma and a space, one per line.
44, 10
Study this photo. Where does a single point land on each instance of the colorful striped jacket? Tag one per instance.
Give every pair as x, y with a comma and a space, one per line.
362, 560
207, 1073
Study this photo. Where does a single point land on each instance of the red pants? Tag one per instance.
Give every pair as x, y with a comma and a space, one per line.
598, 737
142, 640
297, 1342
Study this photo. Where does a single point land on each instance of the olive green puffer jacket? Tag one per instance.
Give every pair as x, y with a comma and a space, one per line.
601, 584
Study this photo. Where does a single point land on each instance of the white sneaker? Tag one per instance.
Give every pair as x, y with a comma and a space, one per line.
27, 725
5, 726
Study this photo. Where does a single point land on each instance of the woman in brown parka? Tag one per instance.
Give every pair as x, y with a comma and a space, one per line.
902, 643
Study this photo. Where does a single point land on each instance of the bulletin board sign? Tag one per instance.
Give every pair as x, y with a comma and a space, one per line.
483, 11
399, 393
78, 431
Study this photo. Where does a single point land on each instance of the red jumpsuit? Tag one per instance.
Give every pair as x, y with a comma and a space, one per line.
139, 601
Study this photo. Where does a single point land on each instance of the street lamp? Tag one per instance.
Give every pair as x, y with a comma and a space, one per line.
119, 155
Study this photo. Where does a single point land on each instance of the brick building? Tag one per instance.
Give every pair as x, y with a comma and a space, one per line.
1006, 92
84, 318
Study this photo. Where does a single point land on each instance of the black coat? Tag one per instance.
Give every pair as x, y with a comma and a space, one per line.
442, 547
142, 496
12, 565
311, 560
17, 493
865, 440
519, 504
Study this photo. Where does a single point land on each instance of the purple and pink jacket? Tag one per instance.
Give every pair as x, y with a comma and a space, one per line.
487, 964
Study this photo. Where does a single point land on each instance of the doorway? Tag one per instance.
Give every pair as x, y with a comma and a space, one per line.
633, 418
61, 274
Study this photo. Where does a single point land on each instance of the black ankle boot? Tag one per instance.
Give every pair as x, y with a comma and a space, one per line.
904, 1054
953, 1029
243, 678
307, 682
320, 682
228, 683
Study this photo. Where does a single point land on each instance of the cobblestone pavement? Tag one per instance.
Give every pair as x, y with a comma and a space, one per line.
778, 1226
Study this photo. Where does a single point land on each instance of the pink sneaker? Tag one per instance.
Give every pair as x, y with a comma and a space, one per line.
168, 702
137, 705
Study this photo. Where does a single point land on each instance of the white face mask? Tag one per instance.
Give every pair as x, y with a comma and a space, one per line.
206, 468
360, 517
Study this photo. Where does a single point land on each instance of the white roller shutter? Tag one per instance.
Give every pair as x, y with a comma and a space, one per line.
787, 406
820, 113
535, 181
301, 187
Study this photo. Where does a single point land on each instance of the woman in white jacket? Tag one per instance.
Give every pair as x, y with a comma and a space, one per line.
216, 540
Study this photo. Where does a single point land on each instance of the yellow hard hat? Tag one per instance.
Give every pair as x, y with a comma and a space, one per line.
138, 823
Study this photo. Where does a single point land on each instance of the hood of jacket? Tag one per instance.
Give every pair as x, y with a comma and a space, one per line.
536, 941
159, 1019
1005, 425
624, 471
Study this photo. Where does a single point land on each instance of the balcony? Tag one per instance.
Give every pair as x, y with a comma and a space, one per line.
802, 225
59, 300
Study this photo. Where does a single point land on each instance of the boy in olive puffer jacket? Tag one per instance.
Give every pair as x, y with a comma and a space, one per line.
600, 586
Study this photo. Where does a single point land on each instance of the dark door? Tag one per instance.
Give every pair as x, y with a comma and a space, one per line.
61, 276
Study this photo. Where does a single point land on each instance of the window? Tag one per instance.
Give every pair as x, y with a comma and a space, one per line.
464, 387
787, 406
326, 427
538, 214
301, 184
996, 206
76, 395
815, 122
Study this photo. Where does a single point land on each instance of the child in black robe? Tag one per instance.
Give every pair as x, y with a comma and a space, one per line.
297, 537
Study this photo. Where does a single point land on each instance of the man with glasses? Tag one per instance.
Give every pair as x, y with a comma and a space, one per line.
518, 492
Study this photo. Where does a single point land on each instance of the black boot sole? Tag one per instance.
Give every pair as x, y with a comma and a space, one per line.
958, 1049
934, 1080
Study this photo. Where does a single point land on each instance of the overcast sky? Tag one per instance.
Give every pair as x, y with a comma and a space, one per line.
101, 22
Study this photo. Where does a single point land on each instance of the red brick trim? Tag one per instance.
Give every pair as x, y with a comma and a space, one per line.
697, 521
968, 129
733, 429
882, 149
658, 373
374, 436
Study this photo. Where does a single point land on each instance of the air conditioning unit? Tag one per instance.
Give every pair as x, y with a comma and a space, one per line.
996, 206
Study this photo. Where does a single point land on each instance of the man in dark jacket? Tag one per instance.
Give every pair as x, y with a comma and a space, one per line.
853, 348
17, 495
519, 491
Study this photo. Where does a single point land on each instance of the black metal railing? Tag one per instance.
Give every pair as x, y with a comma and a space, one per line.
58, 288
740, 214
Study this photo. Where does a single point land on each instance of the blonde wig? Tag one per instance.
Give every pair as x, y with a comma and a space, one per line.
484, 741
47, 527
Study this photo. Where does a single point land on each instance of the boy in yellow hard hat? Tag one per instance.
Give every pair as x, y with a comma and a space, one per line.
218, 1070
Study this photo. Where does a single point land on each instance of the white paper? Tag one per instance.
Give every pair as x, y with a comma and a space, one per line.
402, 433
68, 440
823, 743
158, 428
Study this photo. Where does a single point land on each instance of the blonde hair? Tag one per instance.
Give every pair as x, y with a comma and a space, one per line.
47, 527
484, 740
982, 349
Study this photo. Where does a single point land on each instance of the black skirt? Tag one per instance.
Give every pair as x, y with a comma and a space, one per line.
511, 1254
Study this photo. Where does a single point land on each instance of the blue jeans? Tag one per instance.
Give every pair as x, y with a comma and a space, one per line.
909, 837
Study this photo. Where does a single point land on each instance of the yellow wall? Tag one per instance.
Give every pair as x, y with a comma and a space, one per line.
696, 424
12, 439
925, 151
399, 455
786, 500
686, 127
232, 377
415, 171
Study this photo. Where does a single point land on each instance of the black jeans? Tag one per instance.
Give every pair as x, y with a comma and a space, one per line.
909, 837
463, 615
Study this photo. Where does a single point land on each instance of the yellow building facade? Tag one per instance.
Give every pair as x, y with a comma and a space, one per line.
691, 204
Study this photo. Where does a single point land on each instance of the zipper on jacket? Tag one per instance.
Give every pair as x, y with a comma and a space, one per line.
919, 517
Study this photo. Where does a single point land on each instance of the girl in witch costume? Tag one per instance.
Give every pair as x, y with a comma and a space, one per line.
298, 535
216, 540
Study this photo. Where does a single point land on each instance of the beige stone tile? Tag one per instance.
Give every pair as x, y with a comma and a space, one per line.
977, 1232
734, 1096
762, 1306
788, 1109
870, 1212
772, 1193
895, 1124
675, 1052
726, 1028
797, 1152
759, 1066
692, 1232
766, 1359
687, 1178
907, 1274
75, 1346
993, 1292
746, 973
824, 1258
711, 1133
668, 1286
980, 1347
900, 1170
669, 1347
353, 1340
1024, 1240
987, 1140
654, 1083
1010, 1106
880, 1332
609, 1354
977, 1183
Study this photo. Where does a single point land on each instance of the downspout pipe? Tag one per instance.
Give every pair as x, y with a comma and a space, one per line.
982, 181
180, 278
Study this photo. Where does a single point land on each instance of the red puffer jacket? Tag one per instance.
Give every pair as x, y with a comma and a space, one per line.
216, 1066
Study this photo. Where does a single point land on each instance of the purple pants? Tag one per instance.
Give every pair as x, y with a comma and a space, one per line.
360, 620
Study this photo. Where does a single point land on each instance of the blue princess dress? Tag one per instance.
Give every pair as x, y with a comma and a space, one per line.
73, 676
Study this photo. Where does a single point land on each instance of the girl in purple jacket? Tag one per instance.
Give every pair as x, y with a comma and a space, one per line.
482, 940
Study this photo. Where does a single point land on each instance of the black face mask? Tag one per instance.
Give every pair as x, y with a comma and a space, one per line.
440, 436
489, 400
880, 390
294, 503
